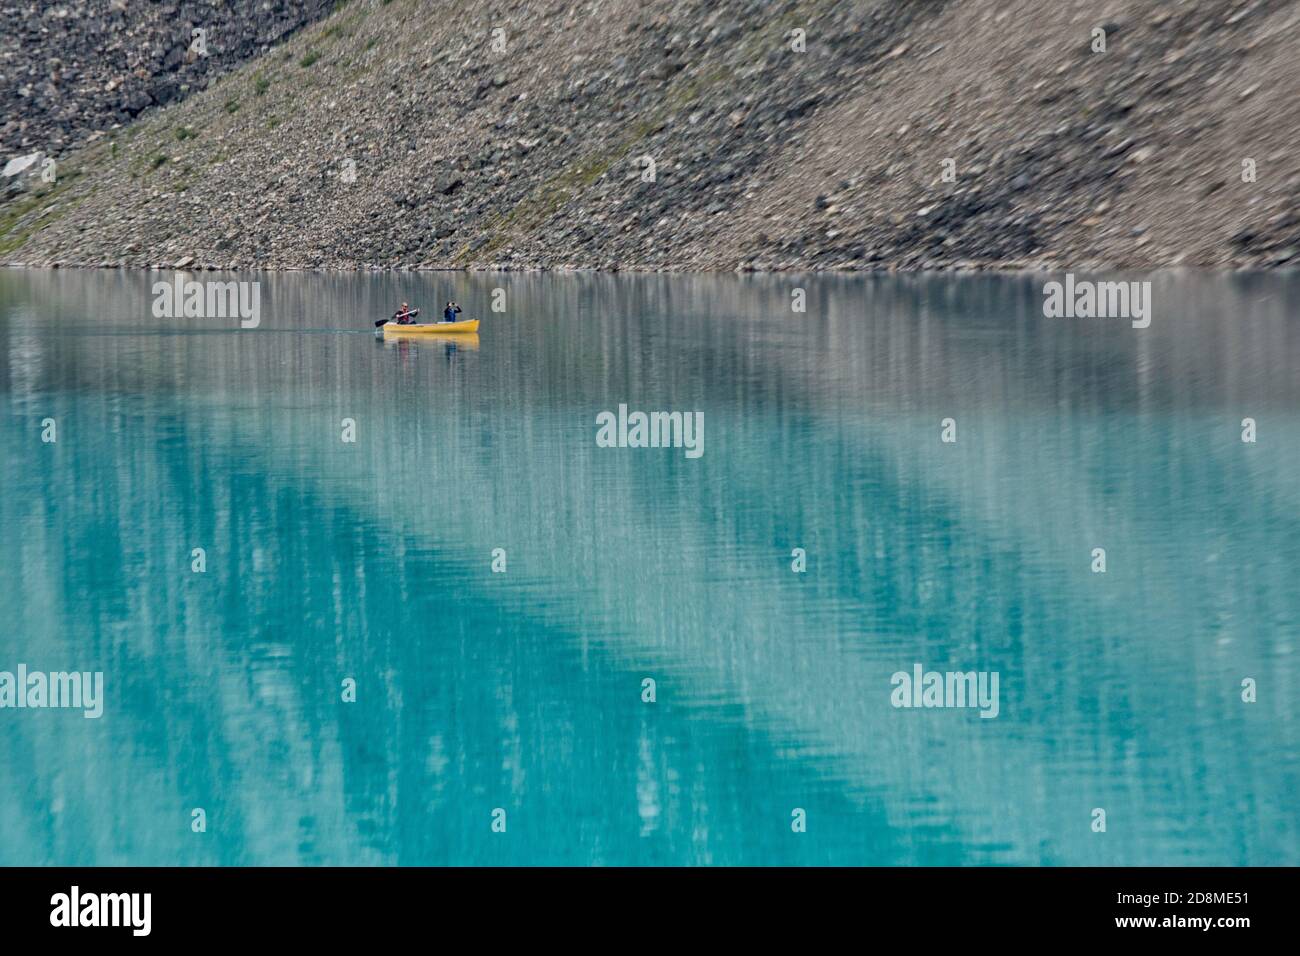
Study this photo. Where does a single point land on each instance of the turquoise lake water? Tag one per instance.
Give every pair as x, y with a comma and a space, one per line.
372, 560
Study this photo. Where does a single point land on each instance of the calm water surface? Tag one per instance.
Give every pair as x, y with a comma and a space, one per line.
477, 690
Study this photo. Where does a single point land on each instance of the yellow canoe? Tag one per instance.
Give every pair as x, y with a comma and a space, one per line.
431, 328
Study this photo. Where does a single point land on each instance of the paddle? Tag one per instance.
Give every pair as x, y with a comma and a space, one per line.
412, 314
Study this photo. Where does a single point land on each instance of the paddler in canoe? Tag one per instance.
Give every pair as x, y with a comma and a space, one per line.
449, 314
405, 315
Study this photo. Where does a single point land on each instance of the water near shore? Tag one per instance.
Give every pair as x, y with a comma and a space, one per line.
372, 560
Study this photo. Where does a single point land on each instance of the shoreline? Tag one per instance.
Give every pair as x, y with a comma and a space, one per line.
1012, 268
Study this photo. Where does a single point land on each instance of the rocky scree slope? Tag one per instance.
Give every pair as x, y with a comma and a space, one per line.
469, 134
71, 68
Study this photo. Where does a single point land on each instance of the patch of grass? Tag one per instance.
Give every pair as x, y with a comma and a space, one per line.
12, 243
232, 106
545, 201
686, 91
15, 225
308, 58
370, 44
549, 198
261, 85
273, 122
158, 160
185, 132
